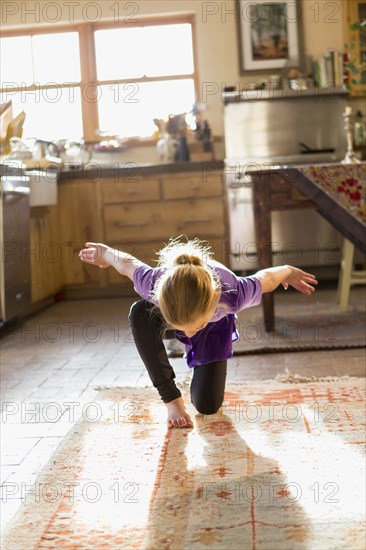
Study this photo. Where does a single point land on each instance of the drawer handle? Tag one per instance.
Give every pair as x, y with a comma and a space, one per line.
131, 224
196, 220
132, 192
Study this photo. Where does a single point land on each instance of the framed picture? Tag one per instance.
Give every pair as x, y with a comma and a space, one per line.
268, 33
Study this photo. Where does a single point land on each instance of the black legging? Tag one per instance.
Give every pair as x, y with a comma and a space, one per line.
208, 381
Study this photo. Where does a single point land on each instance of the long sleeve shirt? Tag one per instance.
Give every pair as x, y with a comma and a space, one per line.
214, 341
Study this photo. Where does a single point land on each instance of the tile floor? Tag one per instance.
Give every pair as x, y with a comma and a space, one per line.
52, 365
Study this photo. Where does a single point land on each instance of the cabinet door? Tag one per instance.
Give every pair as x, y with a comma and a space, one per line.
80, 221
146, 252
35, 259
45, 253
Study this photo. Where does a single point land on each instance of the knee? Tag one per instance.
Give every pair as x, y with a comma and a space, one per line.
138, 311
207, 407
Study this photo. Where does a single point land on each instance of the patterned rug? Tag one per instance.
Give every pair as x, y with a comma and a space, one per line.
311, 331
279, 467
301, 324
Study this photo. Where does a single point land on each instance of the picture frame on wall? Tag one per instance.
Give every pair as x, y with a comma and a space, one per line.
268, 33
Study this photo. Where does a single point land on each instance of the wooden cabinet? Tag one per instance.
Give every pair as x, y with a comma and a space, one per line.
130, 190
192, 185
355, 38
79, 220
137, 215
45, 253
178, 204
158, 221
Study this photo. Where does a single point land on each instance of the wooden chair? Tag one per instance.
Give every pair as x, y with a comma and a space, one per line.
348, 276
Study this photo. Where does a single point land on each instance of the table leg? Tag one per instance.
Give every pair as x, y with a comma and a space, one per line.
263, 232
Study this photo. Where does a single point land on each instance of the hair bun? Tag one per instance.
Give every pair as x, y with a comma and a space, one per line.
183, 259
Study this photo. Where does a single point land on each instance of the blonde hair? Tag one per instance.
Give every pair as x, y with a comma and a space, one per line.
189, 287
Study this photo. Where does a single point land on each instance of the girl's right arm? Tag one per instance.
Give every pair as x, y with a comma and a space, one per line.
103, 256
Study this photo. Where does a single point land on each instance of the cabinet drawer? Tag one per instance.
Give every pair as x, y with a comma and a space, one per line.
146, 252
143, 189
154, 221
192, 185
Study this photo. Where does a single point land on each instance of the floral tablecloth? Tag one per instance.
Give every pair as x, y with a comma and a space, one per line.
346, 183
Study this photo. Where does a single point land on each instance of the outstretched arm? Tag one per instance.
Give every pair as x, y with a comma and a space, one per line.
103, 256
286, 275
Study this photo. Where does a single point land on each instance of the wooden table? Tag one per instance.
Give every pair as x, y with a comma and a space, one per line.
336, 191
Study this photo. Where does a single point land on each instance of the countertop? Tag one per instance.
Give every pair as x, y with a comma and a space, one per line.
95, 170
12, 168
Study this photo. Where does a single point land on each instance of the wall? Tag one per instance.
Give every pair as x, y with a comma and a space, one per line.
216, 29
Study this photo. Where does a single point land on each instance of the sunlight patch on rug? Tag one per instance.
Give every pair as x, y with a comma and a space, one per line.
279, 466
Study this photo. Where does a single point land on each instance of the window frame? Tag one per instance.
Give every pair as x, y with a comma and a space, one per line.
88, 66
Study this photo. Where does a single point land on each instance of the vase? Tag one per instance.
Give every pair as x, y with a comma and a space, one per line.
167, 148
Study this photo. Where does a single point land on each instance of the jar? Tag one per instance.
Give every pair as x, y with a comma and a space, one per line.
359, 130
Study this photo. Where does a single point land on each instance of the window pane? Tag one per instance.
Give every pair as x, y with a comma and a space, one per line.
160, 50
56, 58
16, 60
119, 53
129, 109
51, 114
168, 50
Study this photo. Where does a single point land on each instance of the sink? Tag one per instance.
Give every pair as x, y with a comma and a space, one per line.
43, 187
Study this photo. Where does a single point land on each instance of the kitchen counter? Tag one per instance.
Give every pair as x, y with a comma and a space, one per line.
132, 207
95, 170
12, 168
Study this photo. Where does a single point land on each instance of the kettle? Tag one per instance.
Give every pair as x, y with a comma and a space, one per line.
44, 149
76, 153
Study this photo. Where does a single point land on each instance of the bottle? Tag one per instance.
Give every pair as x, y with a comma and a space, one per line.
359, 130
198, 132
182, 154
207, 145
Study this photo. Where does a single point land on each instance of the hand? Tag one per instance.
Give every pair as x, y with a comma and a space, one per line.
95, 254
300, 280
178, 417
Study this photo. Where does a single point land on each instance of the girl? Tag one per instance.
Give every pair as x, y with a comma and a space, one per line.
197, 299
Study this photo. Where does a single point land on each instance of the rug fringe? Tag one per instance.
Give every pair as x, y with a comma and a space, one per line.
181, 384
127, 387
286, 377
289, 377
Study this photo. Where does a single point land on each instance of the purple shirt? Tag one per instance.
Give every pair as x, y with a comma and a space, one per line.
214, 342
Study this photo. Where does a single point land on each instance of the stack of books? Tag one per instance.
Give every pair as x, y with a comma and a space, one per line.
330, 70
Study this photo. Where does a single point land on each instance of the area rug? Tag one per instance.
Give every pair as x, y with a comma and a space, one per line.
304, 323
317, 330
279, 467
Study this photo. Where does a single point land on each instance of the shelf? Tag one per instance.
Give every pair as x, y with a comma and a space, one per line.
283, 94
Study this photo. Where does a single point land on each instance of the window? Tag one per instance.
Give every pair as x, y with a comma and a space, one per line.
41, 75
133, 75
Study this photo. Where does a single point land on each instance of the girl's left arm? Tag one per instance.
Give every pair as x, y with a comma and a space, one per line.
286, 275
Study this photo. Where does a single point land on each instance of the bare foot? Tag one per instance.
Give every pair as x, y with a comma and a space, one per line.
178, 417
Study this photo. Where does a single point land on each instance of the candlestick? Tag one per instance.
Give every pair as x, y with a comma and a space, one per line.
350, 157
